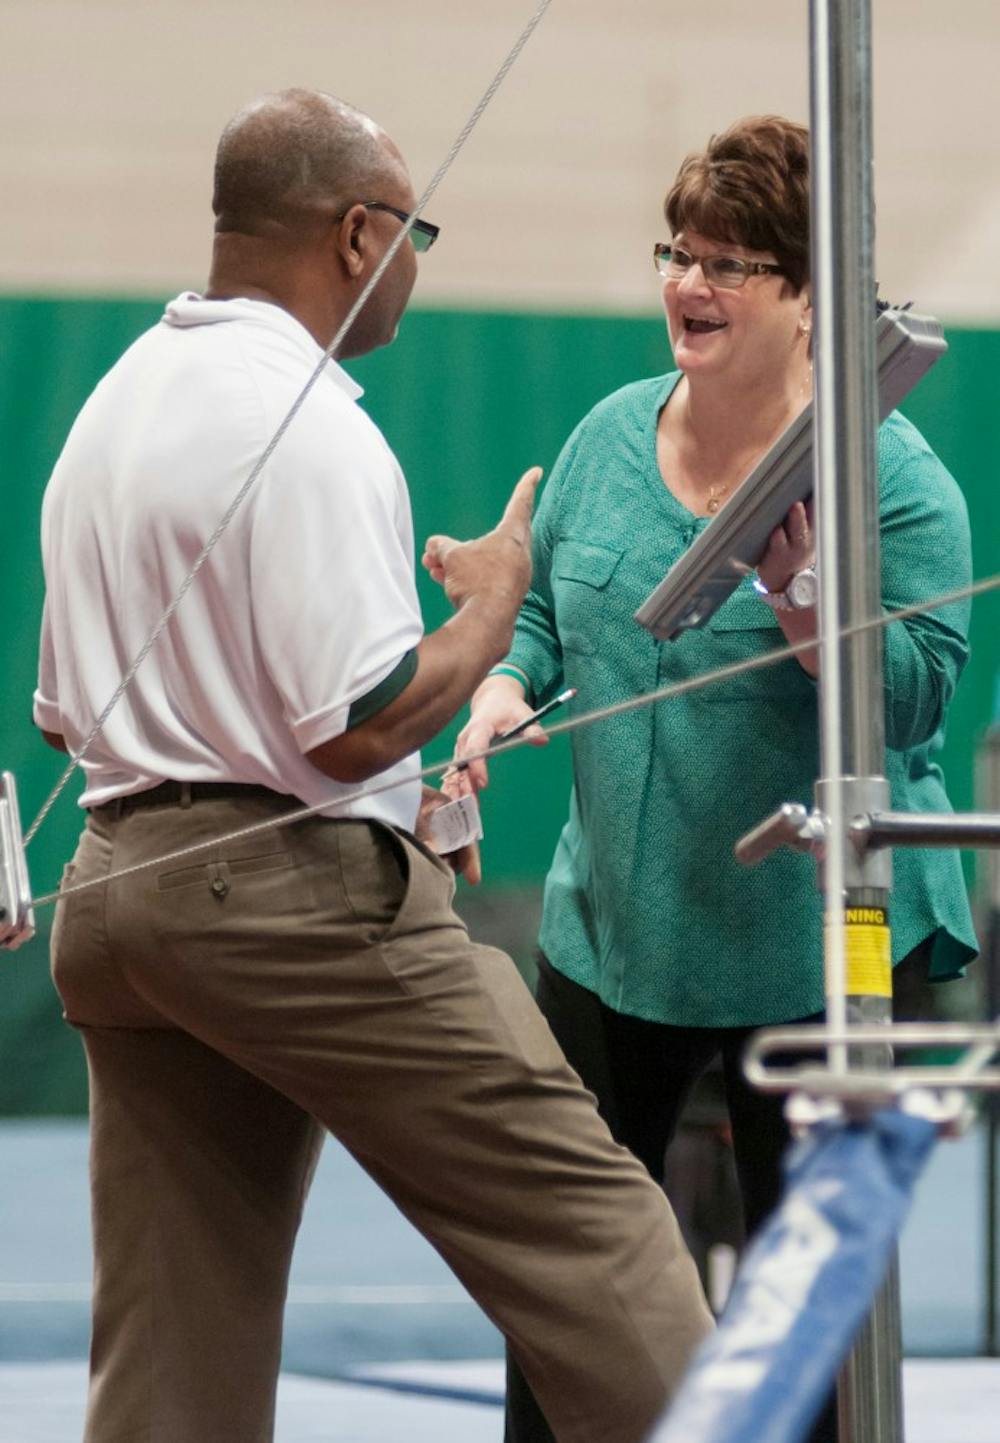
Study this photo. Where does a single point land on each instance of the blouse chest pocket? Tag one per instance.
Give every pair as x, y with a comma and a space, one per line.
744, 627
581, 571
744, 611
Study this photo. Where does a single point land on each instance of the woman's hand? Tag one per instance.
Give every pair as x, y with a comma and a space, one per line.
497, 706
792, 548
463, 861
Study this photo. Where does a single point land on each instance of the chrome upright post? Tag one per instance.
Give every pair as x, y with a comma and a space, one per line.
852, 739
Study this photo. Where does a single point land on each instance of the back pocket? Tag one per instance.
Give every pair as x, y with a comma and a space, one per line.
207, 873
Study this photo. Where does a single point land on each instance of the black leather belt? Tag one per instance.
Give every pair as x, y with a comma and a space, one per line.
183, 794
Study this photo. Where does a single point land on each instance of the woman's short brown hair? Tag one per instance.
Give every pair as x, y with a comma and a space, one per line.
750, 186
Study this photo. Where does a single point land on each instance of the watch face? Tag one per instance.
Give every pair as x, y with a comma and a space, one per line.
803, 589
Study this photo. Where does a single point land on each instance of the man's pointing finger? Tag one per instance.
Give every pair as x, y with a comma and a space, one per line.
517, 513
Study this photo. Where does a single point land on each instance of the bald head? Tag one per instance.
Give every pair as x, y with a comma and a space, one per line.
297, 157
295, 173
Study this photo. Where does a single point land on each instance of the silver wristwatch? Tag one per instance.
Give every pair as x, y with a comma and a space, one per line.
800, 593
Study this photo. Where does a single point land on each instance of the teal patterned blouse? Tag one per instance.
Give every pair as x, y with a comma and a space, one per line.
644, 903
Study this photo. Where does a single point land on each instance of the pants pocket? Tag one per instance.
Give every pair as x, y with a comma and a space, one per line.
375, 875
227, 870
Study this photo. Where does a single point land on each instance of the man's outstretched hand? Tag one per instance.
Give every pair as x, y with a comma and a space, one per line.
497, 565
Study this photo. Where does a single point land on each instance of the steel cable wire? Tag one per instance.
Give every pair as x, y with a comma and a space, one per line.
634, 703
293, 411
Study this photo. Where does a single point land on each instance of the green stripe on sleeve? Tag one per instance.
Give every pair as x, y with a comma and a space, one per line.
386, 691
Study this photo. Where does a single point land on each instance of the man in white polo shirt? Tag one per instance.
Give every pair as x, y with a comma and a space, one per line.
236, 1002
305, 619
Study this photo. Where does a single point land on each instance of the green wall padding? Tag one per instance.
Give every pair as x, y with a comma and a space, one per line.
468, 400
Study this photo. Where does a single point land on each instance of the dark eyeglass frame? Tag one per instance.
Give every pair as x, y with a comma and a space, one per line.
664, 252
423, 234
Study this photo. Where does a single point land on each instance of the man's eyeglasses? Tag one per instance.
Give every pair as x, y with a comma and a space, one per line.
423, 234
731, 272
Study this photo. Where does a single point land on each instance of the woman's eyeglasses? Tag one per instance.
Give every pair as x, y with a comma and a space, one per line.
731, 272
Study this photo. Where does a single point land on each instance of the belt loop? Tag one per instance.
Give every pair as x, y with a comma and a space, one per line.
119, 807
185, 795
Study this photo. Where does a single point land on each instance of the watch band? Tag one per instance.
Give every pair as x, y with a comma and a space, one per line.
800, 593
776, 600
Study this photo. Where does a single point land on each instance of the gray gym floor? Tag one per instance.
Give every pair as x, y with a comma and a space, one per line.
382, 1343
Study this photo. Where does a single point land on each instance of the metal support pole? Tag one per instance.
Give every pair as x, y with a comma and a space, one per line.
856, 884
989, 781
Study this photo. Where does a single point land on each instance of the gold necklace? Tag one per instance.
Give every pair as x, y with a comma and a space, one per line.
719, 494
716, 496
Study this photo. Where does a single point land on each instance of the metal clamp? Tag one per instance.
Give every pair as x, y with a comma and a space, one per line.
792, 825
17, 917
870, 831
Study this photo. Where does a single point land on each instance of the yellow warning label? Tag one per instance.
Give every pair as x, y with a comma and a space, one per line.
868, 954
857, 916
869, 961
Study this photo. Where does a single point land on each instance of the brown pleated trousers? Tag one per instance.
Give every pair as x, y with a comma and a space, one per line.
236, 1004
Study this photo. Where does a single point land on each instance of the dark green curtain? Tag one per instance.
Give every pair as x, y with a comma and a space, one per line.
468, 400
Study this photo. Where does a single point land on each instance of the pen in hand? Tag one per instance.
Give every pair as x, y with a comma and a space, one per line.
529, 721
522, 726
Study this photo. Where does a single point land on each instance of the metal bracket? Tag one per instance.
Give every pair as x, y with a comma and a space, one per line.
17, 916
864, 865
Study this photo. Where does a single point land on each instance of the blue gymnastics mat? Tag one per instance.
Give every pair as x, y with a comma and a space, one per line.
954, 1401
382, 1343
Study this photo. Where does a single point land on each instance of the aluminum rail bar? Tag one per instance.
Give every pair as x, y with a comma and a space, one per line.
873, 1089
852, 726
936, 1090
904, 1034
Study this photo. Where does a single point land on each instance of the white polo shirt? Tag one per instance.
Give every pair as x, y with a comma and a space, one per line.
306, 606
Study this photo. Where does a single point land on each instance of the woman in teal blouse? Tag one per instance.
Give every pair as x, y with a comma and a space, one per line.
660, 951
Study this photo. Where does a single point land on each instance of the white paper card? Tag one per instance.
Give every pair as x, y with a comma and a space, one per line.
455, 825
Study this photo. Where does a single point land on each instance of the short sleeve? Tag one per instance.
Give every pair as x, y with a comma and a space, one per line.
333, 592
46, 705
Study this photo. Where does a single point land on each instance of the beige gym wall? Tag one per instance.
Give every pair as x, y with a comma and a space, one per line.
110, 110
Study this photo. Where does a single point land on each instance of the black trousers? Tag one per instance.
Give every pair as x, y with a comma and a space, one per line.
642, 1074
